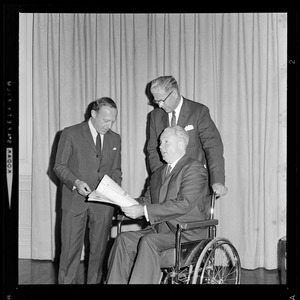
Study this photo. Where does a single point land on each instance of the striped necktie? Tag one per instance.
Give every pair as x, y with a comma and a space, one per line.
173, 120
169, 169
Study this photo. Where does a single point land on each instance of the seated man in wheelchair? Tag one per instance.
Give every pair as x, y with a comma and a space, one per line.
174, 196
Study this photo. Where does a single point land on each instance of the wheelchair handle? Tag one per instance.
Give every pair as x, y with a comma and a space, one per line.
212, 206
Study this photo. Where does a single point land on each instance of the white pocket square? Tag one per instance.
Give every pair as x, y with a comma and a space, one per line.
114, 148
188, 127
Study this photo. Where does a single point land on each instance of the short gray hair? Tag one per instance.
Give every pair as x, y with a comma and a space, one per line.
165, 83
180, 133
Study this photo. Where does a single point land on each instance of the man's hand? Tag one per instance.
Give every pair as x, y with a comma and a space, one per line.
82, 187
219, 189
134, 211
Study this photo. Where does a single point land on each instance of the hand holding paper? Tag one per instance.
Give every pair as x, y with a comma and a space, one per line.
109, 191
82, 187
134, 211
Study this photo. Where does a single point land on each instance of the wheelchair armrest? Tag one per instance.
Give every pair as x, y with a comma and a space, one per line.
122, 217
123, 220
198, 224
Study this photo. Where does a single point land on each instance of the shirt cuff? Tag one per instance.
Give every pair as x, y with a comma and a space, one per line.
146, 213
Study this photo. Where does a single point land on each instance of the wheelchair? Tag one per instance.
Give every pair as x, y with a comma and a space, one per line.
213, 260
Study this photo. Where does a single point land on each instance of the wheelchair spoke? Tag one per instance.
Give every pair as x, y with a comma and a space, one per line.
221, 266
217, 263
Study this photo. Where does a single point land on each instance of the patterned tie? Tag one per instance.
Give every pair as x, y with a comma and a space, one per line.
168, 170
98, 143
173, 120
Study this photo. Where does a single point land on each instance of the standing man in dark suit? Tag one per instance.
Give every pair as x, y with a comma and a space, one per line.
205, 142
178, 193
86, 152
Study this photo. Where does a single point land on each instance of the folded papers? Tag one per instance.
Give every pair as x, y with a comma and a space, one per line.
108, 191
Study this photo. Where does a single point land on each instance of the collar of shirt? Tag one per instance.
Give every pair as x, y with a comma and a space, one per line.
177, 111
173, 164
94, 131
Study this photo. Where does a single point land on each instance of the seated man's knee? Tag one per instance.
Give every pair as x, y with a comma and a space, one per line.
120, 237
127, 240
147, 241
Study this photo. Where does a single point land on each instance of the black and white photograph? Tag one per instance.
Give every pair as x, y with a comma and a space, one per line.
150, 148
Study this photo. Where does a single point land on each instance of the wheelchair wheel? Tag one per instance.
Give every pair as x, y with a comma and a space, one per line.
218, 263
169, 276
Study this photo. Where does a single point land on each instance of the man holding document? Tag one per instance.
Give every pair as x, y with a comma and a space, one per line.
178, 192
110, 192
86, 152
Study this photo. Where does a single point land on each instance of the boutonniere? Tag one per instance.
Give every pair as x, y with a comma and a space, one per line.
188, 127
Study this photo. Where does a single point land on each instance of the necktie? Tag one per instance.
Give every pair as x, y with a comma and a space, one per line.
168, 170
98, 143
173, 120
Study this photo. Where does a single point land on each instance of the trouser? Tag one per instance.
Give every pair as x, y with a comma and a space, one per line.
135, 256
99, 218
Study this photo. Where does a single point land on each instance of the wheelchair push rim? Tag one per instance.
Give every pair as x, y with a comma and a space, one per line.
218, 263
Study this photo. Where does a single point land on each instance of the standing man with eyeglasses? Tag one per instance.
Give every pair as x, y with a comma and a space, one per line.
205, 143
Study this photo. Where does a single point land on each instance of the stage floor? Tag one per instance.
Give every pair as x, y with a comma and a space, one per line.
45, 272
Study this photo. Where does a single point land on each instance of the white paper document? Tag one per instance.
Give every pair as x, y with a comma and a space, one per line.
109, 191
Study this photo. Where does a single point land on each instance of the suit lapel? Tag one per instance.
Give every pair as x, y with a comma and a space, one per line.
180, 164
88, 135
106, 142
184, 114
163, 174
164, 120
164, 190
166, 180
160, 183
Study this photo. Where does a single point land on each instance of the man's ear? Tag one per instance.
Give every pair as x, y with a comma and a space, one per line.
181, 144
177, 93
93, 113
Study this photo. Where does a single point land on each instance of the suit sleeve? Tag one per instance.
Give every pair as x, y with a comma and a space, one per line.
213, 147
192, 192
152, 146
116, 169
64, 151
146, 199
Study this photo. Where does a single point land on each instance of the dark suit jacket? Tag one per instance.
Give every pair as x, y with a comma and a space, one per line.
77, 158
182, 196
205, 142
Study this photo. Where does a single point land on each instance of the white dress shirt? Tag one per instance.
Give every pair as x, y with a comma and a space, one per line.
177, 111
95, 133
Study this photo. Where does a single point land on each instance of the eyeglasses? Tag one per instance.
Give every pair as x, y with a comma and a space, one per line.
162, 101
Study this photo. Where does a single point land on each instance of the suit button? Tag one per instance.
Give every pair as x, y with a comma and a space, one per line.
97, 155
98, 171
